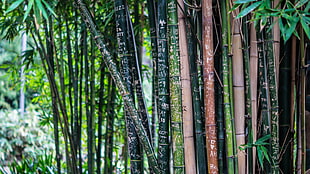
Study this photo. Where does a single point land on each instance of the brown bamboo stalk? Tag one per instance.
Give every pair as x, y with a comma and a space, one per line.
187, 107
253, 77
239, 94
208, 79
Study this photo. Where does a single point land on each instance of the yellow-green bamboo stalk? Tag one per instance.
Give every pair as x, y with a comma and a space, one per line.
187, 111
253, 77
239, 94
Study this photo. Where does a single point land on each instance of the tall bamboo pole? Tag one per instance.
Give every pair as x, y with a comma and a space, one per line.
229, 122
120, 84
208, 79
274, 105
187, 111
197, 111
175, 89
123, 32
285, 136
163, 89
239, 97
253, 77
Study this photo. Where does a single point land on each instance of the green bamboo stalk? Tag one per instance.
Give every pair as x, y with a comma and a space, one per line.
229, 123
187, 103
175, 89
274, 105
208, 79
197, 112
248, 102
120, 84
163, 89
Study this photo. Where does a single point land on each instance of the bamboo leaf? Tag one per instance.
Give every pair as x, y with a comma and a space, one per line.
260, 157
49, 7
29, 6
243, 1
264, 138
13, 6
249, 9
305, 25
307, 7
265, 153
41, 8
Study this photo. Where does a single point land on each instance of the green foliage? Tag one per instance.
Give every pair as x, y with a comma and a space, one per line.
41, 164
262, 152
290, 14
22, 137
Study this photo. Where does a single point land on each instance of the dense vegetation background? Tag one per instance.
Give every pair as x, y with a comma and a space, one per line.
156, 86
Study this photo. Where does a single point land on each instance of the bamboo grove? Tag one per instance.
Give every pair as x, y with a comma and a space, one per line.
226, 93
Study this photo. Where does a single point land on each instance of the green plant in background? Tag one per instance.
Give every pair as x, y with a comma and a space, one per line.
290, 15
43, 164
23, 137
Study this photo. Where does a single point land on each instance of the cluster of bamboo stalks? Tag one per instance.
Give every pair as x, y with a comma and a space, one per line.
225, 97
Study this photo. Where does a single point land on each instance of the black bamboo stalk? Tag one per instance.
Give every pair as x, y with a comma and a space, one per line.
285, 136
123, 32
70, 66
248, 99
163, 89
199, 131
153, 35
264, 99
274, 104
108, 152
75, 79
100, 117
120, 84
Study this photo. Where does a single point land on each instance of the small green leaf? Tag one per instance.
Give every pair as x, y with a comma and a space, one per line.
249, 9
13, 6
243, 1
263, 139
260, 157
42, 9
301, 3
29, 6
305, 25
49, 7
